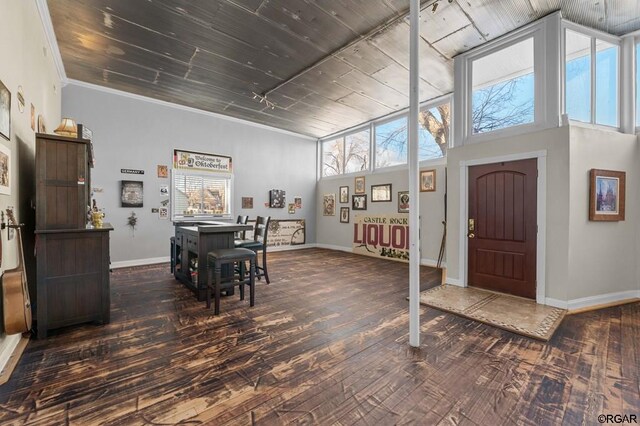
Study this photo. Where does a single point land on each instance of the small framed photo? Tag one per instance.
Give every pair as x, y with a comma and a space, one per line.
380, 193
329, 205
292, 208
5, 170
359, 202
277, 198
344, 194
359, 186
403, 202
606, 195
297, 201
247, 202
131, 194
163, 171
164, 190
344, 214
427, 180
5, 112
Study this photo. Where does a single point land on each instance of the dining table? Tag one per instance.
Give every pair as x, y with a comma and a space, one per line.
193, 241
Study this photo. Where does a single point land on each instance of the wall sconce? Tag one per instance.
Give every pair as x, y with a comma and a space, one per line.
67, 127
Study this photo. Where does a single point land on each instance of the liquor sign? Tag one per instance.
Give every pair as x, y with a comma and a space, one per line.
189, 160
385, 236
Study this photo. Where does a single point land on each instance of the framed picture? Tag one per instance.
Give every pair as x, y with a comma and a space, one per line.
5, 112
131, 193
359, 186
344, 194
164, 190
163, 171
329, 205
344, 214
298, 202
403, 202
5, 170
380, 193
277, 199
606, 195
163, 213
359, 202
247, 202
292, 208
427, 180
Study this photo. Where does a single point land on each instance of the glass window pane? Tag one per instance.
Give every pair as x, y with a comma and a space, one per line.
332, 157
606, 83
503, 88
197, 195
578, 76
434, 132
638, 85
391, 143
357, 152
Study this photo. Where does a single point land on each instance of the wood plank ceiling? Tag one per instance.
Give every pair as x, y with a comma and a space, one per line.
327, 65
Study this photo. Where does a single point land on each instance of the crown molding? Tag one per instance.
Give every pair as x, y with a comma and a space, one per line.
73, 82
47, 27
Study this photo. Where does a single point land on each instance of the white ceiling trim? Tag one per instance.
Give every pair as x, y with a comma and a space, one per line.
72, 82
50, 35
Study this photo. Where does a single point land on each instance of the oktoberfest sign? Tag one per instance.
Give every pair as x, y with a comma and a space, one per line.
189, 160
385, 236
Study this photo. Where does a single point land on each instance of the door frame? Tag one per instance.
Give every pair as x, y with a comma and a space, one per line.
541, 215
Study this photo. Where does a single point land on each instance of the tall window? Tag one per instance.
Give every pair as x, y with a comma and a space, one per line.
503, 92
348, 154
591, 79
434, 132
200, 196
391, 142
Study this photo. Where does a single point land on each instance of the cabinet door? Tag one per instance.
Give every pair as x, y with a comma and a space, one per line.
62, 184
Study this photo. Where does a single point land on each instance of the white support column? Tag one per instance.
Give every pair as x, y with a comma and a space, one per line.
414, 213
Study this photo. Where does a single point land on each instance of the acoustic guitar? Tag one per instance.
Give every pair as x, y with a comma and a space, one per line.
15, 291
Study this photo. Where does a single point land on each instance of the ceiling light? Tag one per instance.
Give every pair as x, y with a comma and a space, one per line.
263, 98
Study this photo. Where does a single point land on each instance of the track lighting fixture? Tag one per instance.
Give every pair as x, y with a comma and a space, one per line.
263, 98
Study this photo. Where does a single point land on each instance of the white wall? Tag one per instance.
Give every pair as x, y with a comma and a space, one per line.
139, 134
556, 143
330, 232
587, 263
26, 61
603, 255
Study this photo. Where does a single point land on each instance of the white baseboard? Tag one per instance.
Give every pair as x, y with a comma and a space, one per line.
287, 248
140, 262
587, 302
8, 345
454, 281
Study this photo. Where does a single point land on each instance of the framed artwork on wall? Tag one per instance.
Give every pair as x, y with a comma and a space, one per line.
380, 193
277, 199
359, 185
5, 170
344, 214
403, 202
606, 195
329, 205
5, 112
427, 180
247, 202
131, 194
359, 202
344, 194
298, 202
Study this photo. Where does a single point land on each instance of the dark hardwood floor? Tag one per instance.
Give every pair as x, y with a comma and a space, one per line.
326, 343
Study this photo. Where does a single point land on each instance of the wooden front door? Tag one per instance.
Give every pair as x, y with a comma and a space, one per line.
502, 227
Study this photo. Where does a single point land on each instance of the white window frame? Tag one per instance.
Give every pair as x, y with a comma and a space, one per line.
202, 217
593, 34
343, 134
546, 101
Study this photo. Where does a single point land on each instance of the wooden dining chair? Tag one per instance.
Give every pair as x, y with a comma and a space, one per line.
258, 243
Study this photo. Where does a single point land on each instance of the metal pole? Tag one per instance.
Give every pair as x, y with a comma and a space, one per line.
414, 213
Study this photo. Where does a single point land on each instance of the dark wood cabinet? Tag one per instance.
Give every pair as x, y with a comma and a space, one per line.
72, 261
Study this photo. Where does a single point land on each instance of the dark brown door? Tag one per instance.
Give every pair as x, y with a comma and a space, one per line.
502, 227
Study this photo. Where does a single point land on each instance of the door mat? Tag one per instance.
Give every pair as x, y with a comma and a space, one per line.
511, 313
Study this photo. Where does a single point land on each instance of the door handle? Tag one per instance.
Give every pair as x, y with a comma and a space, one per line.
471, 235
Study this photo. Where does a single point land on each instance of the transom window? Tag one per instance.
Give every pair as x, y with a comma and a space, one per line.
503, 88
347, 154
591, 79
